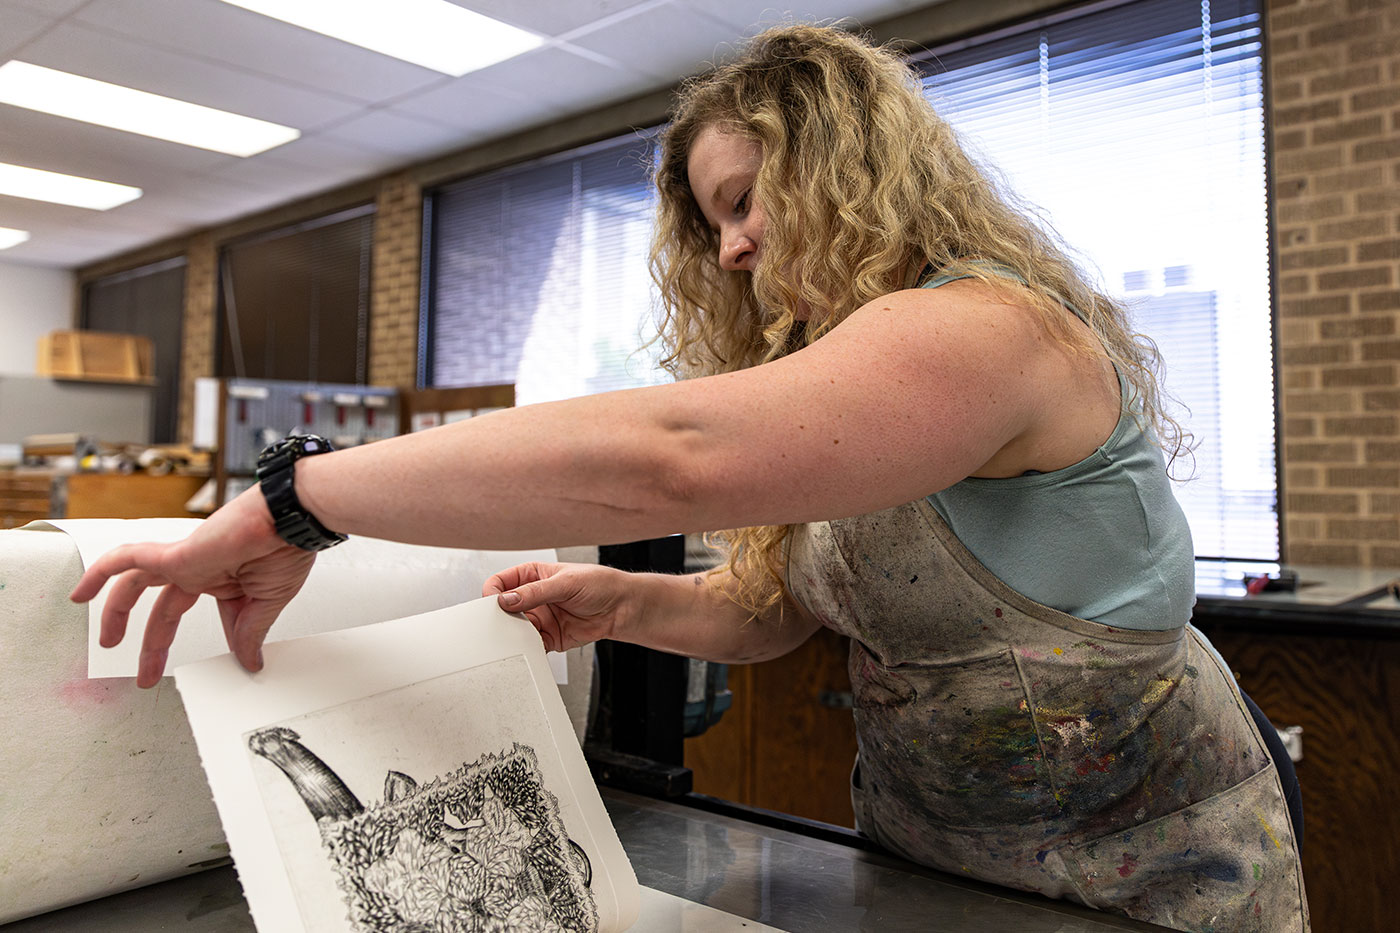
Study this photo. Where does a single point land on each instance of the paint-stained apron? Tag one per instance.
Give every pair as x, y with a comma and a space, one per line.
1008, 741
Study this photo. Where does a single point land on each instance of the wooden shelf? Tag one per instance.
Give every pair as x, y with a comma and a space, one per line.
96, 356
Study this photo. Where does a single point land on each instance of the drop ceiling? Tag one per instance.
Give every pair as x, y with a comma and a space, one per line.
360, 113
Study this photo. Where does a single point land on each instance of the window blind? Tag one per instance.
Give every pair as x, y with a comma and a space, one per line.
150, 302
537, 275
1137, 131
294, 302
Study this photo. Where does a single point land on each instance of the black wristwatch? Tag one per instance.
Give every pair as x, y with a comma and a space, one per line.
276, 475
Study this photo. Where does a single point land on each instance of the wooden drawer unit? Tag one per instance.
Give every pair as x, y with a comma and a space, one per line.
24, 497
27, 497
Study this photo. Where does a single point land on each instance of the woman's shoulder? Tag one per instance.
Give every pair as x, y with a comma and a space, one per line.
968, 311
1070, 399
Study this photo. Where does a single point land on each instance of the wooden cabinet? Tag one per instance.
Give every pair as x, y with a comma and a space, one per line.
24, 497
788, 741
30, 496
1344, 690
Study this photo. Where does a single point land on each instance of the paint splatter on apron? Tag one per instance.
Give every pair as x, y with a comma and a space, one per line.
1008, 741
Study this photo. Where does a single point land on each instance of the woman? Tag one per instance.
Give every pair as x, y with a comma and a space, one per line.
934, 436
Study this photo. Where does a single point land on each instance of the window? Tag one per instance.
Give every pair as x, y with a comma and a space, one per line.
149, 301
537, 275
294, 303
1138, 130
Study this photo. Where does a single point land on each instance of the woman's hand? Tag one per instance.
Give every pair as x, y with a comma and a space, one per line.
570, 604
235, 556
689, 614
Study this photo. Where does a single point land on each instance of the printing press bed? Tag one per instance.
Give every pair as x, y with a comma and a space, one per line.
791, 874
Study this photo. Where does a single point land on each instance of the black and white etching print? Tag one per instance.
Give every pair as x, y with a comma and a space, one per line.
478, 845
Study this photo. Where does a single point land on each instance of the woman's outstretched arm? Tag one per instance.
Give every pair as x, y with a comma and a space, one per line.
909, 395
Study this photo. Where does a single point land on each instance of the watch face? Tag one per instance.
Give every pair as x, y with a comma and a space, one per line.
312, 445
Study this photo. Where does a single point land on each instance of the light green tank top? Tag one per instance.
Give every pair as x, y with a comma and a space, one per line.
1103, 539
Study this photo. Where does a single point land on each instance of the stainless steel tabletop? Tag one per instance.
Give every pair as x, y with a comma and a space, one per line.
794, 880
791, 878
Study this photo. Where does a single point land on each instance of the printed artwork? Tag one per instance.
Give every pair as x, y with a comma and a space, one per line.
479, 849
466, 839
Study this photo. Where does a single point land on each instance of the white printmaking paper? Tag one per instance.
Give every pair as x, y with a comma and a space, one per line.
362, 581
422, 769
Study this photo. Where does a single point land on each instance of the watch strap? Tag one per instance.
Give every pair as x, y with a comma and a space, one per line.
276, 472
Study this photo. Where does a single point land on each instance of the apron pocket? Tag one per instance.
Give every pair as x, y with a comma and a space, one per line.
949, 745
1225, 863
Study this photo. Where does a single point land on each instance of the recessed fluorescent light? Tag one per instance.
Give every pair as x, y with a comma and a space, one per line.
39, 185
123, 108
432, 33
12, 237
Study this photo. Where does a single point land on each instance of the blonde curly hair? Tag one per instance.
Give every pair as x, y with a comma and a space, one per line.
857, 161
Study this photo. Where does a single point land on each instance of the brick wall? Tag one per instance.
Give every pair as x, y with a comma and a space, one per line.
394, 271
197, 337
1335, 74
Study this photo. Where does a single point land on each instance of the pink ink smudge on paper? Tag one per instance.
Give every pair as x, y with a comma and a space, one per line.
80, 691
84, 692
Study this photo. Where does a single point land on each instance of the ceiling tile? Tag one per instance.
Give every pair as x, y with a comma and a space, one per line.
269, 181
54, 228
351, 161
478, 96
666, 41
513, 94
550, 17
185, 212
52, 9
17, 27
32, 215
207, 194
144, 223
56, 144
68, 248
217, 32
96, 54
398, 134
749, 17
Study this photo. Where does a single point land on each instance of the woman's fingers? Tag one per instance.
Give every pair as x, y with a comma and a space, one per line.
228, 618
89, 586
254, 621
547, 624
513, 577
101, 570
132, 570
164, 619
161, 626
151, 667
115, 562
533, 593
126, 591
252, 583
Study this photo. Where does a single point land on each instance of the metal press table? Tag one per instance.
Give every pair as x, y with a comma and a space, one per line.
791, 874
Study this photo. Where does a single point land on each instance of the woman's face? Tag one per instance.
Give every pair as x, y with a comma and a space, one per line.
722, 167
